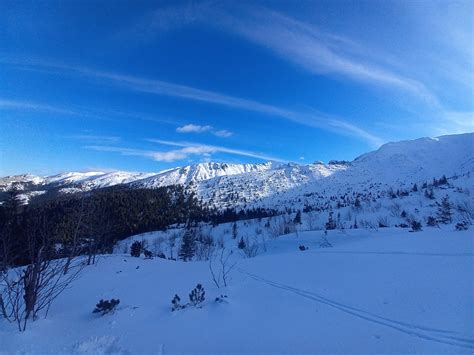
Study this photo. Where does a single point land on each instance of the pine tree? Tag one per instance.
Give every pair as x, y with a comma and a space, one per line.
241, 244
429, 194
234, 231
357, 202
414, 188
197, 296
297, 219
330, 224
444, 211
188, 245
136, 249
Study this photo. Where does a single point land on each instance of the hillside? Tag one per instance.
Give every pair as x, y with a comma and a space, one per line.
373, 292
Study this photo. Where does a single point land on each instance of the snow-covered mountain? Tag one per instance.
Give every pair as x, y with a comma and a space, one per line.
271, 184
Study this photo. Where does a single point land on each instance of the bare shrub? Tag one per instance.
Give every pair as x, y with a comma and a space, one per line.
220, 266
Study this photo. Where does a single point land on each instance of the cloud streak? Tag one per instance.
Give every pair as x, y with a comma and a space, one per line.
185, 151
300, 43
159, 87
317, 52
33, 106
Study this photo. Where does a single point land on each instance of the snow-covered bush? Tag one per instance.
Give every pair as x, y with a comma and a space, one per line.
106, 306
221, 299
197, 296
220, 266
176, 304
250, 249
383, 222
431, 221
462, 226
416, 226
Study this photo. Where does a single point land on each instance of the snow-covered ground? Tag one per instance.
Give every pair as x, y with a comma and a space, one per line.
385, 291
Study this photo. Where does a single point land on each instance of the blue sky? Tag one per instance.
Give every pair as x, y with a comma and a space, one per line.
145, 86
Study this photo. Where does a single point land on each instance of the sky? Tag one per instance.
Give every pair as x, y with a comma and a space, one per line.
150, 85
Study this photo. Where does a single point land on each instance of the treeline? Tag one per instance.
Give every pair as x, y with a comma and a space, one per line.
90, 223
231, 215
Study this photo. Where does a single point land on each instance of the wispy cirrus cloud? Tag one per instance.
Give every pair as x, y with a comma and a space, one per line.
185, 150
298, 42
34, 106
86, 112
316, 51
97, 139
158, 87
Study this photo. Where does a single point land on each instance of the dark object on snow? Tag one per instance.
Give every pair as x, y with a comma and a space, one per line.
175, 303
136, 249
148, 254
197, 296
161, 255
303, 248
105, 306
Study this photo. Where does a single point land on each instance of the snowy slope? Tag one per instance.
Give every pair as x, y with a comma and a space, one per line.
200, 172
417, 160
387, 292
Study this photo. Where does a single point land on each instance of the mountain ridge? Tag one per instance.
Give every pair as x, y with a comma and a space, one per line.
394, 163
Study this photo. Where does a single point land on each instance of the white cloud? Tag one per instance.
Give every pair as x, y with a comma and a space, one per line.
223, 133
192, 128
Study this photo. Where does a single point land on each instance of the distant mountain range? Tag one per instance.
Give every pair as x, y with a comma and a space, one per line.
273, 184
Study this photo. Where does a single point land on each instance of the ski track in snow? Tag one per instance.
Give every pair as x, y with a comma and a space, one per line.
396, 253
432, 334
